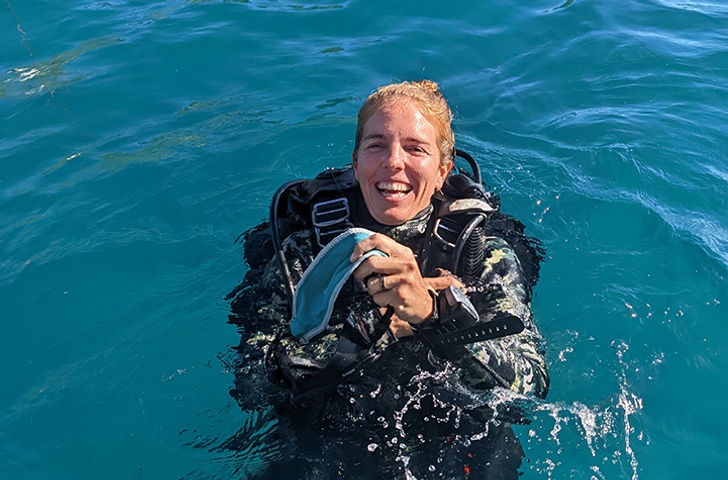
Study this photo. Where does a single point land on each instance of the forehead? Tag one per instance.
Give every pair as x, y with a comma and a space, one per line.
399, 117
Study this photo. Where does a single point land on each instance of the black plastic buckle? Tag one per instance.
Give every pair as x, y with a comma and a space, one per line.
447, 231
329, 219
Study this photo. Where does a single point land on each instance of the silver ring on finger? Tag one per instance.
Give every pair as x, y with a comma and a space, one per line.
382, 285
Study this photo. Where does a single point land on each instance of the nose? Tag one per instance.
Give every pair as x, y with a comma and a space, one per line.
396, 157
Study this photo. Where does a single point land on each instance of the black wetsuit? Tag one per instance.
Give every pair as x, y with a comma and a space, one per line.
413, 409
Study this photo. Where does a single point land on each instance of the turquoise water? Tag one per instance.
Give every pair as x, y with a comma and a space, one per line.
139, 139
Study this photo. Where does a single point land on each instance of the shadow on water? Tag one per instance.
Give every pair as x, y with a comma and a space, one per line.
49, 75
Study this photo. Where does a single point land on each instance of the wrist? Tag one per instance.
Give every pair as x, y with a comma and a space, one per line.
431, 319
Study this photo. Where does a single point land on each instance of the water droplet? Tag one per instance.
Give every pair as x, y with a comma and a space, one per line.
372, 446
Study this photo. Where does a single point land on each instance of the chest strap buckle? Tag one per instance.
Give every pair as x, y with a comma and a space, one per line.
330, 218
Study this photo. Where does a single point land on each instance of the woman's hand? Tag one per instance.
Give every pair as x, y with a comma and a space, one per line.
396, 281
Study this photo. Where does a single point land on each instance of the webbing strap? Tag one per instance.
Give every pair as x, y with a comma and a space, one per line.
500, 326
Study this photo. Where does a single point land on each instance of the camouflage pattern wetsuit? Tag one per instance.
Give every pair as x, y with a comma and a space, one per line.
382, 403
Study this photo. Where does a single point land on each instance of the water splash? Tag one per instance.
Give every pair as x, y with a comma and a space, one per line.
605, 432
439, 399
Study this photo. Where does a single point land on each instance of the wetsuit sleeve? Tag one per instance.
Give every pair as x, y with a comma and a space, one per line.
515, 362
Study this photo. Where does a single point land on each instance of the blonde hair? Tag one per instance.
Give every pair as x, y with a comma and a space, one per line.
432, 105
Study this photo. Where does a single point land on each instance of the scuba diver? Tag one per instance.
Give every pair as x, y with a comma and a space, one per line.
383, 303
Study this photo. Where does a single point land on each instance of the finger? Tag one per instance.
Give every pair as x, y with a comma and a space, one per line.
361, 248
381, 265
363, 271
441, 283
376, 283
380, 298
390, 291
400, 328
379, 242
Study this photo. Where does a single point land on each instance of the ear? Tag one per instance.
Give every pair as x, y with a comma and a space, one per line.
443, 172
355, 164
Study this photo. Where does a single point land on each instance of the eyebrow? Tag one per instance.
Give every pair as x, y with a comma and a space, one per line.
381, 136
373, 135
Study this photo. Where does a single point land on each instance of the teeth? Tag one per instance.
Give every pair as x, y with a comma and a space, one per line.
393, 187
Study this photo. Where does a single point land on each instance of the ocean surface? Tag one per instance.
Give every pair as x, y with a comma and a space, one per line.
139, 139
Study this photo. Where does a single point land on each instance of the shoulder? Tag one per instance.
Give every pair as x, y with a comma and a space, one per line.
500, 256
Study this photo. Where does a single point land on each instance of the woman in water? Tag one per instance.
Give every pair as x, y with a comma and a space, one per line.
379, 392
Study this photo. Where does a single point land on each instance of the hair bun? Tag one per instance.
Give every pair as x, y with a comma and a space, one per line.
428, 85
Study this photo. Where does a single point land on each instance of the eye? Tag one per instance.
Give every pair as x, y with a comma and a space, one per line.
416, 150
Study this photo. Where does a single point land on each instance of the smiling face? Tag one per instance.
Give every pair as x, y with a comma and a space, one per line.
398, 163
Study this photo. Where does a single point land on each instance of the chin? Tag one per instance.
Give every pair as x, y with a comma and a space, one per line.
391, 218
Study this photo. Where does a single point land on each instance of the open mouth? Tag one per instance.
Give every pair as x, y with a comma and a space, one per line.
393, 189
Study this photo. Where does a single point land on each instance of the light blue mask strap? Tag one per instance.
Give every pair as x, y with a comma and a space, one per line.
322, 281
